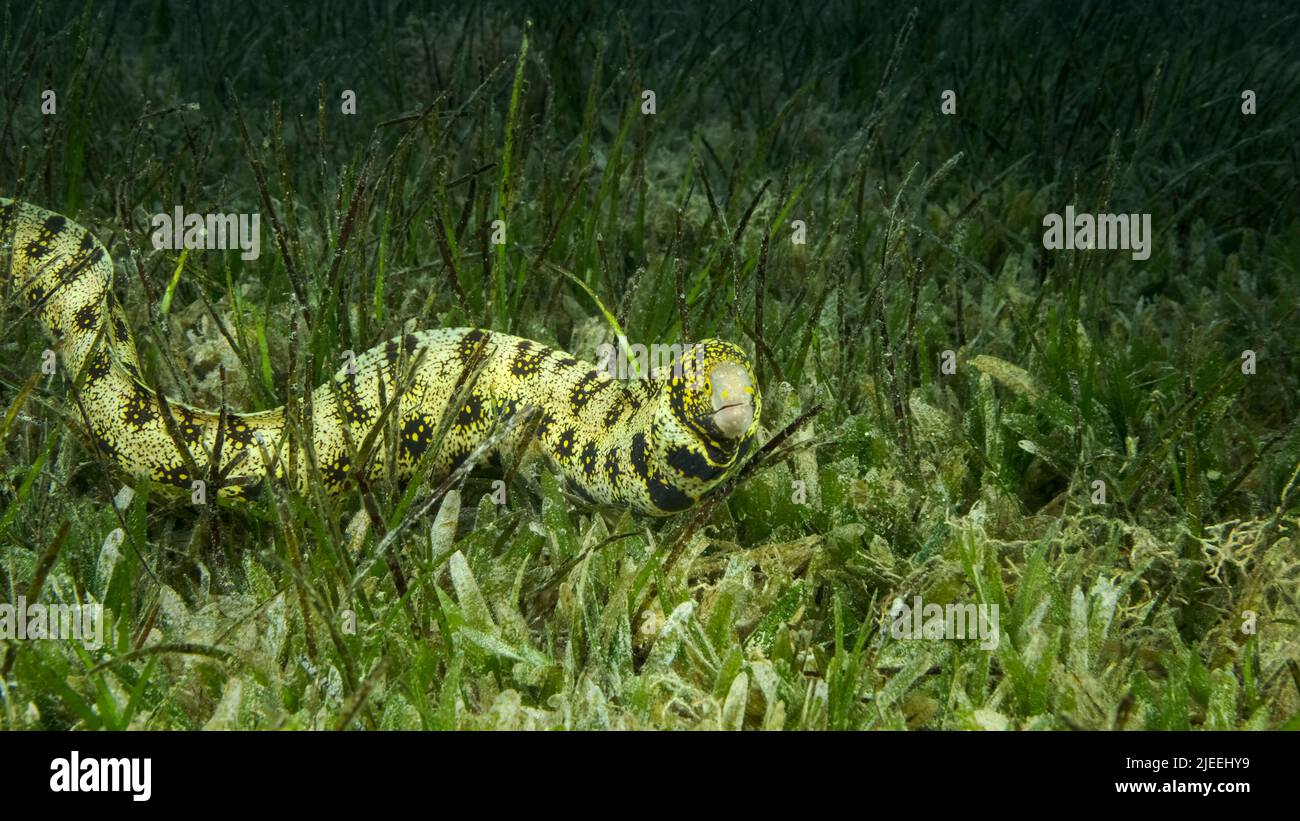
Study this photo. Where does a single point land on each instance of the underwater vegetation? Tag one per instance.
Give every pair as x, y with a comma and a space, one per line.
1017, 282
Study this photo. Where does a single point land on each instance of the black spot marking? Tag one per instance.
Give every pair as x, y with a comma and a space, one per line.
98, 367
175, 475
139, 409
50, 230
615, 412
105, 446
188, 424
471, 413
526, 361
507, 408
718, 448
87, 317
692, 464
354, 411
245, 487
468, 344
640, 456
336, 471
238, 432
417, 436
612, 468
588, 386
566, 445
677, 402
120, 330
588, 459
666, 496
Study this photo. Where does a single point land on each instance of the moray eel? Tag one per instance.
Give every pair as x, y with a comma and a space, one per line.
656, 445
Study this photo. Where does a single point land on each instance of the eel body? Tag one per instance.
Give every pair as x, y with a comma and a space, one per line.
657, 444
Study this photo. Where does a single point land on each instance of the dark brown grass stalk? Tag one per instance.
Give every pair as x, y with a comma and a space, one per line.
706, 507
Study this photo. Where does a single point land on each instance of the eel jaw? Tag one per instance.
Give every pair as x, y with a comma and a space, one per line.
733, 399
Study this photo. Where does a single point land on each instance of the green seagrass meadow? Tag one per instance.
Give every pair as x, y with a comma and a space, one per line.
1106, 449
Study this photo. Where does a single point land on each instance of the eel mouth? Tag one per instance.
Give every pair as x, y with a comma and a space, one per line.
734, 419
732, 398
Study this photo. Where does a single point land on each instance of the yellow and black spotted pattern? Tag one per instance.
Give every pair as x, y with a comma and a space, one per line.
656, 445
